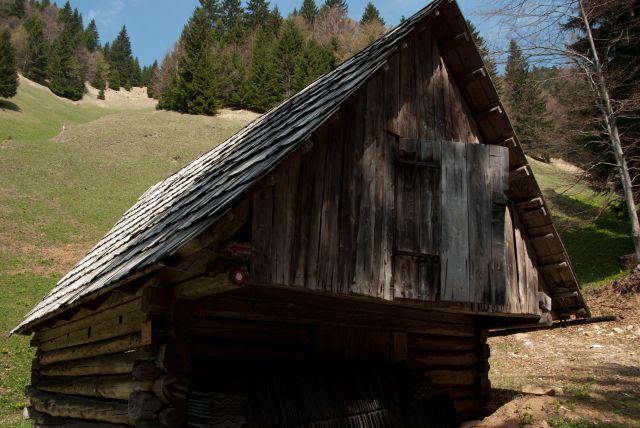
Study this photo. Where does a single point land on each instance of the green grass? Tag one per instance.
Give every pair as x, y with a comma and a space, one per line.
593, 236
61, 193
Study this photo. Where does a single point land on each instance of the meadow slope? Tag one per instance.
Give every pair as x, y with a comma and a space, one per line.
69, 171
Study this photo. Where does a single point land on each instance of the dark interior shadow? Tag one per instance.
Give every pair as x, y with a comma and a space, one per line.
498, 398
8, 105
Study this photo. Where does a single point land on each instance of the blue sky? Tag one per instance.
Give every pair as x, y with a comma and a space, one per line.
155, 25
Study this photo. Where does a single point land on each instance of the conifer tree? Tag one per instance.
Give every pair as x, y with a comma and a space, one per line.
120, 61
8, 67
313, 62
339, 3
526, 104
309, 11
99, 80
36, 64
371, 14
65, 14
91, 36
149, 77
231, 11
213, 11
287, 51
263, 89
256, 13
17, 9
65, 79
489, 62
194, 88
274, 22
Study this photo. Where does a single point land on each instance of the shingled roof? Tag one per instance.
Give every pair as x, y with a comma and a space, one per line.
177, 209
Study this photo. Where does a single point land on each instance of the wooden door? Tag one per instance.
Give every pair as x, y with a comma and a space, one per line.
450, 222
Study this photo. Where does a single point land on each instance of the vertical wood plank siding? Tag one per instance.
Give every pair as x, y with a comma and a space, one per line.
351, 215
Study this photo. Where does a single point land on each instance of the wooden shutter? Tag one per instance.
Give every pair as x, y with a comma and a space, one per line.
450, 222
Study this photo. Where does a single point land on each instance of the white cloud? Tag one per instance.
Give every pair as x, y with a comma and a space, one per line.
108, 14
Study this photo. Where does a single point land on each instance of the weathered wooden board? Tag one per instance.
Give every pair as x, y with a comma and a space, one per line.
454, 257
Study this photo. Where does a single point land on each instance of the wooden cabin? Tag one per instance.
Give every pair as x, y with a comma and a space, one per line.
341, 261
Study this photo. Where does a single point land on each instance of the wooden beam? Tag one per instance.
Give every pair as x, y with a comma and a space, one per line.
202, 286
554, 267
490, 112
520, 173
109, 346
543, 238
455, 41
530, 204
565, 295
478, 73
408, 162
81, 408
509, 143
114, 387
540, 212
100, 365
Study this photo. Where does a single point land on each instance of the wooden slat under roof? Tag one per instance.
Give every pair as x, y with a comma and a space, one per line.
176, 210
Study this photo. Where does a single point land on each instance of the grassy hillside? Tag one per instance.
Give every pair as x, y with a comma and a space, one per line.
61, 191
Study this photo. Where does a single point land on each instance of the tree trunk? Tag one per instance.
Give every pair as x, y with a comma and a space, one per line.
612, 129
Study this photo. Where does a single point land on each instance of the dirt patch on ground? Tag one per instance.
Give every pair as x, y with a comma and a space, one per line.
48, 261
594, 370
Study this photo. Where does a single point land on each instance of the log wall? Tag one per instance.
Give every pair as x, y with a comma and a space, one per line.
239, 335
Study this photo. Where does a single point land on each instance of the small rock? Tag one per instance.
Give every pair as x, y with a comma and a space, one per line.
596, 346
538, 390
528, 344
630, 327
618, 330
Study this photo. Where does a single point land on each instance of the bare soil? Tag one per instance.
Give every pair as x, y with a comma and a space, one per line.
593, 370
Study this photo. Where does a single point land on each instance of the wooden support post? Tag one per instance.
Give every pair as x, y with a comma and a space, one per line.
115, 387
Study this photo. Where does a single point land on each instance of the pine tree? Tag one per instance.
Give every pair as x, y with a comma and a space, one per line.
101, 94
18, 9
309, 11
150, 77
371, 14
120, 61
527, 106
99, 80
213, 11
36, 67
91, 36
8, 67
65, 79
313, 62
287, 51
489, 62
262, 88
256, 13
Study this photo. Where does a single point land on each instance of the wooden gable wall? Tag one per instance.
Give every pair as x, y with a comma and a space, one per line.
326, 220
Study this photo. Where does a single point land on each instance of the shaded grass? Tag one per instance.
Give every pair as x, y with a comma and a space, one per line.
594, 235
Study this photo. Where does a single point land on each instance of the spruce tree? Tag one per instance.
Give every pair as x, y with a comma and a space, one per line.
313, 62
256, 13
336, 3
309, 11
526, 104
136, 77
274, 22
149, 78
194, 88
18, 9
36, 67
65, 14
287, 51
489, 62
231, 11
120, 61
65, 79
371, 14
8, 67
91, 36
263, 88
99, 80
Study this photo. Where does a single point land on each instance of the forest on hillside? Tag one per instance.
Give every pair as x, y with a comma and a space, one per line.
53, 47
251, 57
